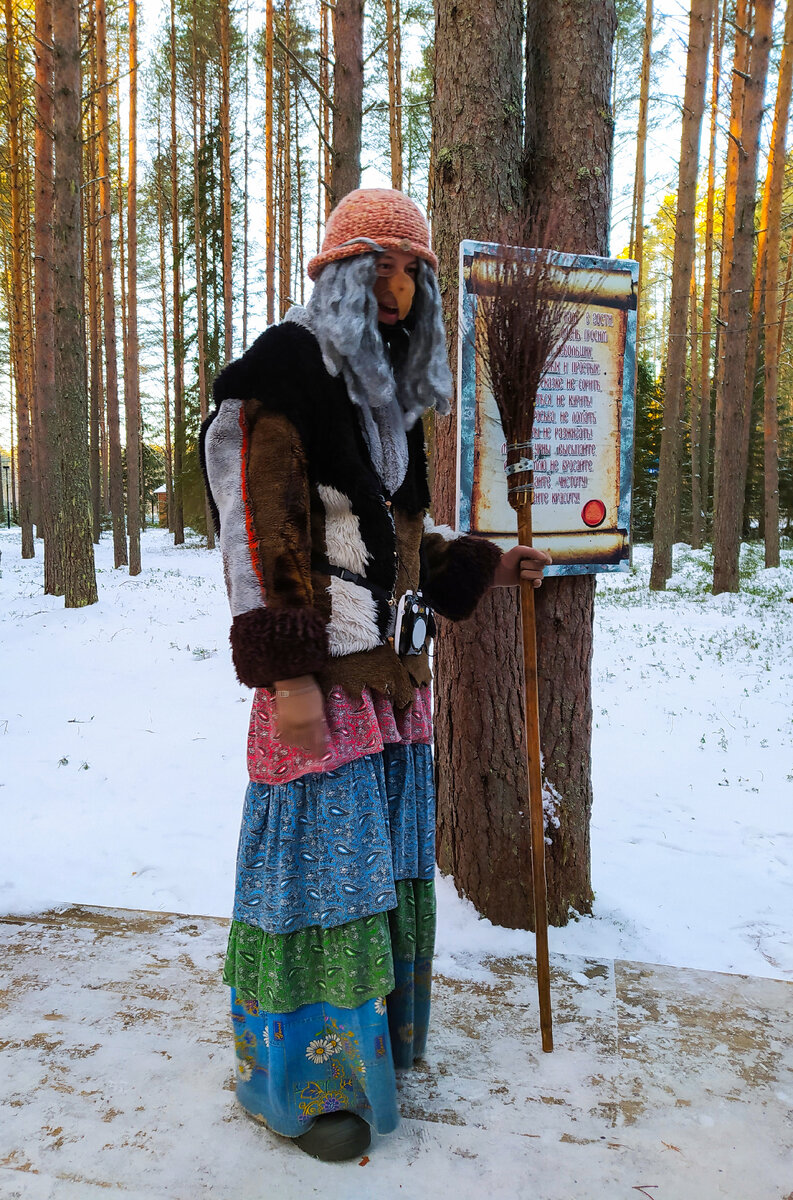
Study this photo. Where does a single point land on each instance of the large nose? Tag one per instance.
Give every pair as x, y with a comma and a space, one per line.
403, 288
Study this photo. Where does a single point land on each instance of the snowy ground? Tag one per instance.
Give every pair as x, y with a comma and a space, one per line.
122, 759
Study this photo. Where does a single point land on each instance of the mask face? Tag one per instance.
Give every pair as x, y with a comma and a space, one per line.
395, 285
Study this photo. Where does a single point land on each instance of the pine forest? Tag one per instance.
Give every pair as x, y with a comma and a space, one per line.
167, 173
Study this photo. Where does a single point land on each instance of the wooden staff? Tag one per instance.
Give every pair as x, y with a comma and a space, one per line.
534, 774
527, 317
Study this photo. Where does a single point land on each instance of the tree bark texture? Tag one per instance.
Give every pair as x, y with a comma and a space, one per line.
96, 393
667, 497
122, 252
269, 168
736, 88
165, 355
483, 840
394, 37
285, 288
776, 171
299, 188
70, 377
637, 224
756, 322
694, 419
347, 98
16, 293
731, 397
568, 72
44, 345
225, 153
176, 316
203, 400
108, 297
483, 828
785, 294
132, 369
245, 166
325, 115
569, 132
707, 270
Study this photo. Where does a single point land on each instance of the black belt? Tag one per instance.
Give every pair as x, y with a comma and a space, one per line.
320, 563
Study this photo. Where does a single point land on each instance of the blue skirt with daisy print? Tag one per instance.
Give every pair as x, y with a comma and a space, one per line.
330, 952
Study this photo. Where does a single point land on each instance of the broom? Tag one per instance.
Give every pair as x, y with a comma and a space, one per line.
526, 323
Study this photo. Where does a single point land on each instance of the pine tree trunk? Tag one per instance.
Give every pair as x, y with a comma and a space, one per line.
44, 369
479, 736
785, 292
199, 282
325, 120
299, 173
707, 271
122, 250
394, 90
12, 423
28, 348
737, 88
637, 232
16, 300
165, 352
95, 341
90, 224
245, 200
131, 372
569, 138
225, 161
696, 482
730, 400
178, 343
483, 837
776, 171
70, 377
667, 498
347, 98
754, 366
269, 166
109, 304
286, 205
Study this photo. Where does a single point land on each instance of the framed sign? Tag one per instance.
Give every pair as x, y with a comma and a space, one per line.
583, 421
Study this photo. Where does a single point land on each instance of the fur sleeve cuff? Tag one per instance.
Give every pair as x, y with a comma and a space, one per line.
269, 644
460, 574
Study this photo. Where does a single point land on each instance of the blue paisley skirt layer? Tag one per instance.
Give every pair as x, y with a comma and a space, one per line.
324, 850
328, 848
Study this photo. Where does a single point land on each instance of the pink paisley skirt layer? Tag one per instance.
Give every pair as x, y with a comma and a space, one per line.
355, 728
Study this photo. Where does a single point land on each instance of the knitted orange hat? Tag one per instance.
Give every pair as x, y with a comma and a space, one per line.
383, 216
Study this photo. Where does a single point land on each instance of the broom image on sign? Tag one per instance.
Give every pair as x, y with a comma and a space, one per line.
526, 319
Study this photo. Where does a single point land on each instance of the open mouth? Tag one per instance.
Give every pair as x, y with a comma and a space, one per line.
388, 313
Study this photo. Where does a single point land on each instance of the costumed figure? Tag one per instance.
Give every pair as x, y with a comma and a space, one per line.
316, 469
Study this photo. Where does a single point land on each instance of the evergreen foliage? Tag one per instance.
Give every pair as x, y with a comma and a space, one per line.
647, 446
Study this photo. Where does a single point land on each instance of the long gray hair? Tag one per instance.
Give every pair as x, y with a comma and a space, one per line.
342, 315
343, 311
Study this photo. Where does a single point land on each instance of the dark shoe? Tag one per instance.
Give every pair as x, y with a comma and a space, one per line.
335, 1137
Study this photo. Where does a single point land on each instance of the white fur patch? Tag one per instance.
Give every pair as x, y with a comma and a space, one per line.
224, 468
353, 618
343, 540
447, 533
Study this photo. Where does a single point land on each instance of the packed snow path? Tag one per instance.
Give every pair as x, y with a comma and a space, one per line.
118, 1080
122, 759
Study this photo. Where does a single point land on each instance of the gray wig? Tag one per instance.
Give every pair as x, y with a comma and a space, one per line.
342, 314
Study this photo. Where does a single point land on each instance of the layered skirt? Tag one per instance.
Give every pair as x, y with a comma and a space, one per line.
330, 951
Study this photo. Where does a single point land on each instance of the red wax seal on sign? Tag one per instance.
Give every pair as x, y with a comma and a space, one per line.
593, 513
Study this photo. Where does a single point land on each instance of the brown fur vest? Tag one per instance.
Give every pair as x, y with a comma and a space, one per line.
292, 486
